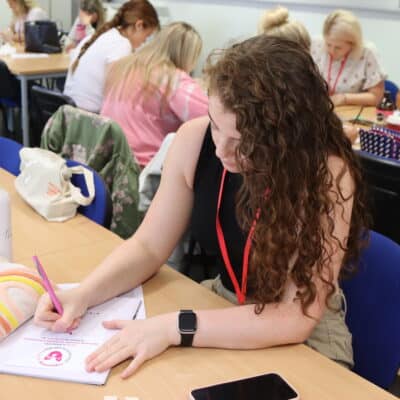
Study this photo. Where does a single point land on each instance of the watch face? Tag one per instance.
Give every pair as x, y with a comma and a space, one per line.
187, 322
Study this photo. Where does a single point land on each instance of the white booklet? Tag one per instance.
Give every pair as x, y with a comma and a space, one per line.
40, 353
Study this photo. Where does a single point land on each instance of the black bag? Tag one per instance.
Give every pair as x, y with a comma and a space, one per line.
41, 37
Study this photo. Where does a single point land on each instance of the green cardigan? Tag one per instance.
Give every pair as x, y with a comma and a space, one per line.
100, 143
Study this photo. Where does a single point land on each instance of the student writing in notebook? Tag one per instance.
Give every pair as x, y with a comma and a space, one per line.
22, 11
269, 184
350, 68
150, 93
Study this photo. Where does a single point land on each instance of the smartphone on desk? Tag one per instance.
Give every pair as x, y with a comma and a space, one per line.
262, 387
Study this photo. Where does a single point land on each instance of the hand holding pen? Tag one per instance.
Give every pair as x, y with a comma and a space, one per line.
46, 283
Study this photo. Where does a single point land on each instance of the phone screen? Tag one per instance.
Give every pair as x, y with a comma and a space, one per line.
262, 387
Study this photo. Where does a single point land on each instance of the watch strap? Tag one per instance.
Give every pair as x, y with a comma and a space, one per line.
187, 335
187, 339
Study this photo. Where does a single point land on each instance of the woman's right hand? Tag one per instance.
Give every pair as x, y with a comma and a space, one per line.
74, 305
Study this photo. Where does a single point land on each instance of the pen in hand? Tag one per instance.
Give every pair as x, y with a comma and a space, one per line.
46, 283
137, 309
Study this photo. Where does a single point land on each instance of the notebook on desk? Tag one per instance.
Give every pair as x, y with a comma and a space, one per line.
38, 352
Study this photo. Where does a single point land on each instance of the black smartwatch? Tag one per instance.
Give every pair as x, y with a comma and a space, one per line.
187, 326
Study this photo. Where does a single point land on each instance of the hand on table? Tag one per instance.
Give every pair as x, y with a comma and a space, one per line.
139, 339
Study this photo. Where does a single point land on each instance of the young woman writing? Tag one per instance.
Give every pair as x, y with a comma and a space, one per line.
269, 183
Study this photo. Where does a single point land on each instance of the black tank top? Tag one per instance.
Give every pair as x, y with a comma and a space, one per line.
206, 188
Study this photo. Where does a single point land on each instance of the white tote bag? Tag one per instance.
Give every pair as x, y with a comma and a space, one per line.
45, 184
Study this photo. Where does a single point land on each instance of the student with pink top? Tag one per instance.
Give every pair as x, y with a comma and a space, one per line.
150, 93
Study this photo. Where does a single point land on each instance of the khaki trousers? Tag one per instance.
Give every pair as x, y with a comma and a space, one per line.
330, 337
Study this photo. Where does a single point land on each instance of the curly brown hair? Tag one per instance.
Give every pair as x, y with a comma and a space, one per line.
288, 131
128, 14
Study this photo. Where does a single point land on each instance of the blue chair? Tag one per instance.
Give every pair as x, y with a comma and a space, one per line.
383, 183
100, 209
373, 311
9, 155
392, 88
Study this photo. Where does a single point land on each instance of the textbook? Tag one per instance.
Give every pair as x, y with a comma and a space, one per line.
37, 352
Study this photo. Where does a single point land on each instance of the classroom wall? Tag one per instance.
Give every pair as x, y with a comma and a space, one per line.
221, 21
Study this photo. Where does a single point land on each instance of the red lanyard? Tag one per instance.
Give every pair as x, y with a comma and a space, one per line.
332, 89
240, 291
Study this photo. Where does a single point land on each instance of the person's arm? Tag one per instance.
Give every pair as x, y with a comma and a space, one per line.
282, 323
139, 257
371, 97
235, 327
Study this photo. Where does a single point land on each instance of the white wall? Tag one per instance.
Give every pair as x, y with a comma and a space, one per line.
221, 21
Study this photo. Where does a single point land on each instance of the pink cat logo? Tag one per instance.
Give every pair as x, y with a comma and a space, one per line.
54, 354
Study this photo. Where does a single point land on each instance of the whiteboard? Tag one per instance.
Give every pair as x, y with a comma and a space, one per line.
382, 5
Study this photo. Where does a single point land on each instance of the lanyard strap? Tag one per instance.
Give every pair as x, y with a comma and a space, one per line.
240, 291
332, 89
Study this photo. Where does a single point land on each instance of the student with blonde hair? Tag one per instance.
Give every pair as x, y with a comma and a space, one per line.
276, 22
350, 68
91, 18
134, 22
22, 10
150, 93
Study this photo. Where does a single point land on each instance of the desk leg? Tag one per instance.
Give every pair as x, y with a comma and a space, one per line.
24, 110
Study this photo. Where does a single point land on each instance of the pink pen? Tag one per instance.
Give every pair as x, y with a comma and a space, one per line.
46, 283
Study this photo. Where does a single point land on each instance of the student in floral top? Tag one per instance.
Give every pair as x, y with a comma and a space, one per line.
351, 69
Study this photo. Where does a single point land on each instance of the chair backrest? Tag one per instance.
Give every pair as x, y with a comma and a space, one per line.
9, 155
46, 102
373, 311
392, 88
100, 210
100, 143
383, 178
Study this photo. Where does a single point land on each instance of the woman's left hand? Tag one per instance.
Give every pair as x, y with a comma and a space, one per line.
140, 339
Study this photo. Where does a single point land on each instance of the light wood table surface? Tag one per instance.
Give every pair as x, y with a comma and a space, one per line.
27, 69
70, 250
349, 112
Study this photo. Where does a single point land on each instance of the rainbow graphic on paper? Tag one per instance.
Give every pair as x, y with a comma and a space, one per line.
20, 290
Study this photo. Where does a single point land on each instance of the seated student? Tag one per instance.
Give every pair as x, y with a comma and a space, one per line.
131, 25
351, 69
276, 23
150, 93
90, 19
267, 181
22, 11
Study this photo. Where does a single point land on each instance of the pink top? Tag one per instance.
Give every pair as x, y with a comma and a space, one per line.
145, 122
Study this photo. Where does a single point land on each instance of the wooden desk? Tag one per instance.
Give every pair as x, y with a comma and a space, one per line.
26, 69
173, 374
349, 112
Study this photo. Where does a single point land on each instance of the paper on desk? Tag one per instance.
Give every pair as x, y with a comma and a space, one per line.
29, 55
7, 50
37, 352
